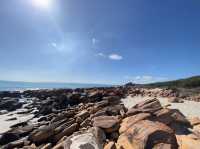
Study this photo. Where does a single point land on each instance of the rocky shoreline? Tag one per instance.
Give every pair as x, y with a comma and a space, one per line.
95, 118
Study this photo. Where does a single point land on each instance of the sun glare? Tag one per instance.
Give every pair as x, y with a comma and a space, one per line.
42, 4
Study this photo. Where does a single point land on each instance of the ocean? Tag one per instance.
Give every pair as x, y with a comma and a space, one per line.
20, 86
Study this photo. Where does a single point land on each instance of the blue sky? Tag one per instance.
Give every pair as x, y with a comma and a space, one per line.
99, 41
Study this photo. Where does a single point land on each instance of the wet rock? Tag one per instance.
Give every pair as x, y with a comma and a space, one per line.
22, 131
108, 123
43, 118
8, 137
113, 136
95, 96
10, 104
44, 110
13, 94
74, 98
16, 144
147, 134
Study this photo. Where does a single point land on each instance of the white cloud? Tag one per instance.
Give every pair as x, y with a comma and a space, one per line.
53, 44
101, 55
115, 57
144, 79
94, 41
111, 56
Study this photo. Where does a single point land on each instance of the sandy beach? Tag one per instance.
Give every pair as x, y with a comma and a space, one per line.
188, 108
5, 125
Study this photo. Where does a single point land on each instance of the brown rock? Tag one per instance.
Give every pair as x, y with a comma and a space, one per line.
179, 117
196, 128
151, 104
110, 145
163, 146
83, 114
147, 134
186, 142
99, 134
164, 116
175, 100
59, 146
147, 106
47, 146
129, 121
194, 121
16, 144
85, 140
133, 111
108, 123
168, 116
66, 132
86, 123
112, 99
42, 134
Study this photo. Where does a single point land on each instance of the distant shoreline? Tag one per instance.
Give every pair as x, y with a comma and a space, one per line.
22, 86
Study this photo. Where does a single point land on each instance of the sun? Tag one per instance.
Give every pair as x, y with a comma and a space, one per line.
42, 4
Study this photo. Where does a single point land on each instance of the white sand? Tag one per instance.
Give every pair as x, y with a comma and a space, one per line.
188, 108
5, 125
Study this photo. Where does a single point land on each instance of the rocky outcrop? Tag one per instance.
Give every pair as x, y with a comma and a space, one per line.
94, 118
147, 134
148, 106
108, 123
10, 104
175, 100
186, 142
129, 121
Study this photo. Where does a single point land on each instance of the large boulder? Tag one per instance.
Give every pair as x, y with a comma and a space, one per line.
186, 142
129, 121
13, 94
86, 140
108, 123
66, 132
8, 137
10, 104
149, 106
169, 116
42, 134
147, 135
